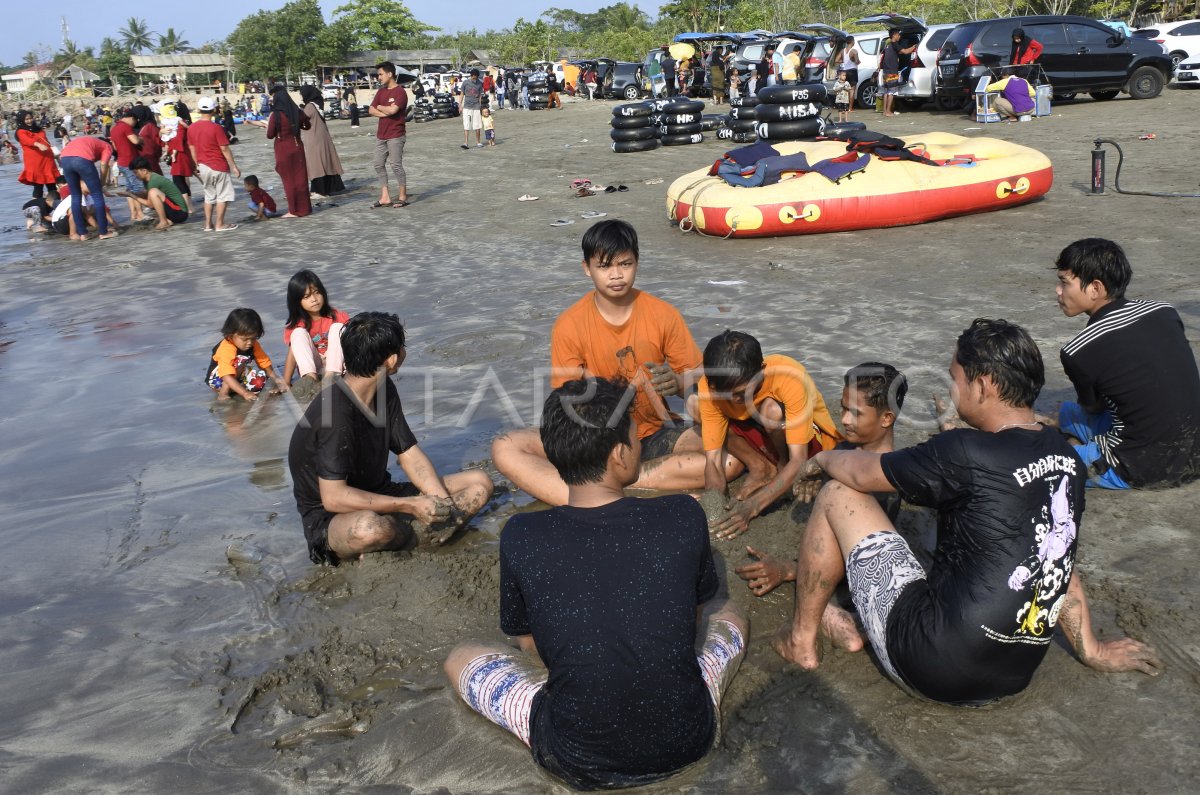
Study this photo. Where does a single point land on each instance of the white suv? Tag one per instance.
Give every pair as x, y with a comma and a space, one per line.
922, 67
1180, 40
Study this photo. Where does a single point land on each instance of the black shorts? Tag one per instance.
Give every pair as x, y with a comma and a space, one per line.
62, 226
662, 442
182, 183
175, 214
316, 525
841, 106
852, 76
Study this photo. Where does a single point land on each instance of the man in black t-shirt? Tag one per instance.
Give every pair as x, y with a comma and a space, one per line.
1138, 415
1009, 494
669, 67
339, 458
612, 592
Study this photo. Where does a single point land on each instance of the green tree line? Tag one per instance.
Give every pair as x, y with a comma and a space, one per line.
296, 38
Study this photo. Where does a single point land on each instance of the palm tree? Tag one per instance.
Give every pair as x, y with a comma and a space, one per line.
171, 42
623, 16
136, 35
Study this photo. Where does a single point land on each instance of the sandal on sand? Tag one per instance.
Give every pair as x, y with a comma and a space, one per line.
377, 205
527, 198
581, 183
562, 222
655, 181
403, 203
592, 214
229, 228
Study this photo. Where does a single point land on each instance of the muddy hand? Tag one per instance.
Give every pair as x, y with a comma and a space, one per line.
432, 509
763, 575
663, 379
736, 519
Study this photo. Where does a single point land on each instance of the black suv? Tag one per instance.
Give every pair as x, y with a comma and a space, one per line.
1079, 55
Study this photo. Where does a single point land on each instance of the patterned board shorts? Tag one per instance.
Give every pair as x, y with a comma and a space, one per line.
251, 376
501, 686
877, 570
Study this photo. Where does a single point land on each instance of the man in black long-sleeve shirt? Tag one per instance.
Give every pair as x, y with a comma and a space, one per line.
1134, 374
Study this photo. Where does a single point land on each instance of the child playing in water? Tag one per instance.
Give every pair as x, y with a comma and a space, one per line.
842, 94
489, 127
317, 352
239, 364
261, 203
871, 399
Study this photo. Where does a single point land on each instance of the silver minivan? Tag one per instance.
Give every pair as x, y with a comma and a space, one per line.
921, 70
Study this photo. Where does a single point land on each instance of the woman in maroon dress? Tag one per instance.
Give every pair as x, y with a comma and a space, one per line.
285, 125
38, 156
147, 130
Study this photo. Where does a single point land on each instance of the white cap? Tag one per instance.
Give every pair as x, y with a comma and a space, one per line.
206, 103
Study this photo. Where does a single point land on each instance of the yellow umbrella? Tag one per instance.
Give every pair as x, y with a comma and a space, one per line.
681, 49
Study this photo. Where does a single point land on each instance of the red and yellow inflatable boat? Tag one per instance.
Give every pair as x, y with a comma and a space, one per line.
980, 175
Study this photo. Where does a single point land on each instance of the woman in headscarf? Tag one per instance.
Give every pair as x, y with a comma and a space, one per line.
286, 122
324, 165
38, 156
1024, 49
147, 130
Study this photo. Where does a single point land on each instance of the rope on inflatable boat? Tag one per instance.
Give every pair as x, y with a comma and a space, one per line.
1117, 177
690, 220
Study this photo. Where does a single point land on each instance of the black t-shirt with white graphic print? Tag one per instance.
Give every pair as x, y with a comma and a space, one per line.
609, 595
1009, 507
1133, 358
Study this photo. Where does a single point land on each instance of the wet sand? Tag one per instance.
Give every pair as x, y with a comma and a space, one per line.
138, 658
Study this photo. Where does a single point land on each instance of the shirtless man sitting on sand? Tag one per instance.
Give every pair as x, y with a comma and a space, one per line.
1009, 494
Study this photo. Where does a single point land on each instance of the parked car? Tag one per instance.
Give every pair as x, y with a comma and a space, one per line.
818, 46
1079, 55
1188, 72
623, 80
920, 72
1178, 39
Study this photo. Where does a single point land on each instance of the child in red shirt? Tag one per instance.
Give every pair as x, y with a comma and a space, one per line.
261, 203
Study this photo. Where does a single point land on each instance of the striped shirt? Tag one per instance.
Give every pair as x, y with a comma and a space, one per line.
1134, 359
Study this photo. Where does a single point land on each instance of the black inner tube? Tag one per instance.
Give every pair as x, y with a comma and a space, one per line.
1117, 176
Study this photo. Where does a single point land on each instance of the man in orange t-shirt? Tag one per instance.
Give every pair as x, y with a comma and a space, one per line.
618, 332
768, 413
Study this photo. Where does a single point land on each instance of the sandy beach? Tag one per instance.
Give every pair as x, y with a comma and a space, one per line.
138, 658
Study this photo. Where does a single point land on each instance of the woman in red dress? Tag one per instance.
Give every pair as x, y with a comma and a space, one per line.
148, 131
284, 126
40, 170
174, 132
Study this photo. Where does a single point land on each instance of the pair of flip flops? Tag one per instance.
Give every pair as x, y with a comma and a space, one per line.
616, 189
377, 205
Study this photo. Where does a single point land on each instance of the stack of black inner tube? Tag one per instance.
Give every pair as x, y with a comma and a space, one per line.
741, 122
539, 92
443, 106
790, 113
423, 111
678, 120
632, 130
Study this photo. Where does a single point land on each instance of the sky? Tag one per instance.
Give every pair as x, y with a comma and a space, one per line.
31, 24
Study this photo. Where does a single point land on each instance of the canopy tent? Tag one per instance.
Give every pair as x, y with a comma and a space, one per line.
76, 76
193, 63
